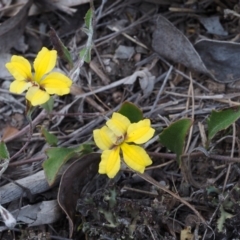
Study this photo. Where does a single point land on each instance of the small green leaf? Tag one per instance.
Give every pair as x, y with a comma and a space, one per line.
131, 111
173, 137
212, 189
4, 157
220, 120
67, 57
49, 137
112, 198
85, 54
88, 18
57, 157
4, 154
48, 106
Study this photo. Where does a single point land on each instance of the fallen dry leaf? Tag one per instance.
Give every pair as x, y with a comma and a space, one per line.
146, 80
221, 59
217, 59
9, 131
73, 180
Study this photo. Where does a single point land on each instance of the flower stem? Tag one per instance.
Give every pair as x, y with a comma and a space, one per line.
29, 118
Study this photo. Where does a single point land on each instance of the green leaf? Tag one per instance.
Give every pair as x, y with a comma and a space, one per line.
84, 148
112, 198
67, 56
57, 157
85, 54
49, 137
48, 106
88, 18
110, 217
4, 154
4, 157
212, 189
131, 111
220, 120
173, 137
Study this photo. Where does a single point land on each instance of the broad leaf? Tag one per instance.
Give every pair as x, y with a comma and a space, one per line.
73, 182
57, 157
220, 120
131, 111
173, 137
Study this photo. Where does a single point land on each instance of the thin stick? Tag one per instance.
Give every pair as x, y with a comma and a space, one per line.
160, 91
196, 154
139, 191
232, 152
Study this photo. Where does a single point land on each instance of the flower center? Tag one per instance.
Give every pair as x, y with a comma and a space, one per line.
32, 80
119, 140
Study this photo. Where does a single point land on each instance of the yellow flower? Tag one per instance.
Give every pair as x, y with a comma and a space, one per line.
115, 137
40, 85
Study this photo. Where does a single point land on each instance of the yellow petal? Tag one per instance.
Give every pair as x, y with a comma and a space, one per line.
20, 68
140, 132
118, 124
56, 83
103, 138
110, 162
135, 157
19, 86
37, 96
44, 63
